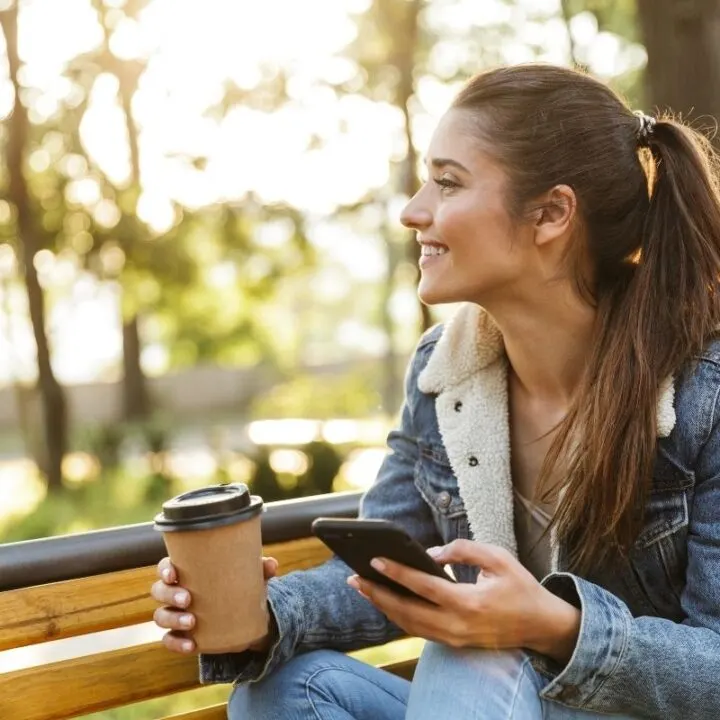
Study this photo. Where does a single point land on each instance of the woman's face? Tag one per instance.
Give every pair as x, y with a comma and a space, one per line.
471, 248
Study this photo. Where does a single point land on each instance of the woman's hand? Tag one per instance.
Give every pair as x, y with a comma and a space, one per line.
505, 608
175, 599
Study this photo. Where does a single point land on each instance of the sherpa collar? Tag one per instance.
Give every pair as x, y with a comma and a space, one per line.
471, 341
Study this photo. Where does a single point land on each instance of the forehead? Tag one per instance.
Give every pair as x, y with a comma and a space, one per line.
454, 138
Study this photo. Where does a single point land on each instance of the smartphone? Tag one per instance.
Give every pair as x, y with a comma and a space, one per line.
357, 542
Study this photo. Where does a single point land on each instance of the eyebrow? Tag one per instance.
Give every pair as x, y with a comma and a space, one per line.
444, 162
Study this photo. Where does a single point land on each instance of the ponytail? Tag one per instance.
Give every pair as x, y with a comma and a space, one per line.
659, 314
649, 206
677, 280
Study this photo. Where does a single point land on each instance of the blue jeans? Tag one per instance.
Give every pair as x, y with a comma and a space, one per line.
448, 683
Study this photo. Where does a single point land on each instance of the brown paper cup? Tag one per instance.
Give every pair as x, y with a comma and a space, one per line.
212, 535
222, 569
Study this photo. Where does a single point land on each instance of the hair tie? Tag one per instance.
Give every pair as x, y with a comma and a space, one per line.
645, 129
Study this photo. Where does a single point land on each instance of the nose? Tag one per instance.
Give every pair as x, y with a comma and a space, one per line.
415, 215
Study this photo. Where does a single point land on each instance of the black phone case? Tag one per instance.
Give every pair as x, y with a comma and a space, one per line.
356, 542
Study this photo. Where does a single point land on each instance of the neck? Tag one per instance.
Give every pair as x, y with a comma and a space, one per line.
547, 343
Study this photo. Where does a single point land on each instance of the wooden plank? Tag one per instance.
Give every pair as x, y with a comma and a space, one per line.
95, 682
75, 607
88, 684
216, 712
403, 668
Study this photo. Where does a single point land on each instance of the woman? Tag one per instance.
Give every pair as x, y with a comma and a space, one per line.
558, 442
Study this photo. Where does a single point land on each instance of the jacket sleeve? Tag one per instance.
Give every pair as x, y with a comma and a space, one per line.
316, 608
649, 667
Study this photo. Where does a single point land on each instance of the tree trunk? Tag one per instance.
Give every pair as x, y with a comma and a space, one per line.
135, 396
136, 403
136, 400
53, 398
683, 71
404, 61
392, 385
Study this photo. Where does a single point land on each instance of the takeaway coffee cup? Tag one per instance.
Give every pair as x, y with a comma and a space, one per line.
212, 536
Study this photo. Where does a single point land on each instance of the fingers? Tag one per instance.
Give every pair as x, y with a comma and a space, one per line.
172, 595
179, 623
172, 616
166, 571
178, 643
469, 552
416, 617
434, 589
270, 567
173, 619
175, 599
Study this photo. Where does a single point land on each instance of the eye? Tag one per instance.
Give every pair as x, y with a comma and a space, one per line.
445, 183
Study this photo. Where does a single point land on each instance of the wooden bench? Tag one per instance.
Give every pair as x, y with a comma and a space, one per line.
82, 584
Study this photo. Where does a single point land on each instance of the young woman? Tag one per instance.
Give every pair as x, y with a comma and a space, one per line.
559, 443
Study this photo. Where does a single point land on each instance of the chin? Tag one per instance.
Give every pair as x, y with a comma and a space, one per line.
429, 295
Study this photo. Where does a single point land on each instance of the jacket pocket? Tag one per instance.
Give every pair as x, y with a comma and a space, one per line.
436, 482
659, 557
665, 514
438, 486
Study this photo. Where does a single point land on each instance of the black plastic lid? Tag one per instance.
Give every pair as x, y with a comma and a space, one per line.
208, 507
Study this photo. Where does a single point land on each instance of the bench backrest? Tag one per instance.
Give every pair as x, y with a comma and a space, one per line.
85, 605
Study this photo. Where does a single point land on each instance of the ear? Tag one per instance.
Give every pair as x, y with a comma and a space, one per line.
555, 214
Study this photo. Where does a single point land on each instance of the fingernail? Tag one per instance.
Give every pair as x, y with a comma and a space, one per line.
434, 551
354, 582
186, 620
378, 564
187, 646
166, 575
180, 598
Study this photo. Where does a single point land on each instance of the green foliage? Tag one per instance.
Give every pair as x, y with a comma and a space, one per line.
351, 394
615, 16
113, 498
620, 18
171, 278
324, 463
106, 441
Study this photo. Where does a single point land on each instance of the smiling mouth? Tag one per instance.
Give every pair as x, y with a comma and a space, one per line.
432, 250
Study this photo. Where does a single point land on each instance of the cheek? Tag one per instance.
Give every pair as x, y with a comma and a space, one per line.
474, 223
458, 224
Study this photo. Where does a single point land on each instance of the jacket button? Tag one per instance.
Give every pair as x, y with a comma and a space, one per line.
458, 406
473, 461
444, 499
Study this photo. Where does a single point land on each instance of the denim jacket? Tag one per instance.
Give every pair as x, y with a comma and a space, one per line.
649, 641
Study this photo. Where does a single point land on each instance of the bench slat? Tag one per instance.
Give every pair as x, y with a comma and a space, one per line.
215, 712
91, 683
88, 684
75, 607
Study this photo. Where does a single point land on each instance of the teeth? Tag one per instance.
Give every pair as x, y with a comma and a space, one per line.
433, 250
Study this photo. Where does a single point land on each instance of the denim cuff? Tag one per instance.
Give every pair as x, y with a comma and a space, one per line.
250, 666
604, 633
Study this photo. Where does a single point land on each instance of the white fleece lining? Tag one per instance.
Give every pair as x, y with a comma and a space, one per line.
468, 366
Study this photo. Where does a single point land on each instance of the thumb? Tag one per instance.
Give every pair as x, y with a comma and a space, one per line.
270, 567
490, 558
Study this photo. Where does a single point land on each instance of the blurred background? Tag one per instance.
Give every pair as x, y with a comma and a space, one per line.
202, 273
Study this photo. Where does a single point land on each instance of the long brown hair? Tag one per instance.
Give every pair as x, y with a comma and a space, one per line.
650, 214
